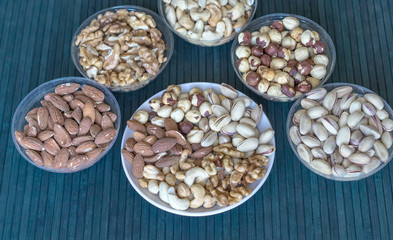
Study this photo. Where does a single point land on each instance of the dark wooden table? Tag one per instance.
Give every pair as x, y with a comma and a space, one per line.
99, 203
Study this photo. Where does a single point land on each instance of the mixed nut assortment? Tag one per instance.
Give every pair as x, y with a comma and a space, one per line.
282, 60
73, 126
198, 148
341, 132
207, 20
121, 48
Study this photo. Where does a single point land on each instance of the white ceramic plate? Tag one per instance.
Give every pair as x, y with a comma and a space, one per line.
155, 200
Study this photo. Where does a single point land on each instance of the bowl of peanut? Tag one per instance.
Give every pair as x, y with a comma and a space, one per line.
198, 149
123, 47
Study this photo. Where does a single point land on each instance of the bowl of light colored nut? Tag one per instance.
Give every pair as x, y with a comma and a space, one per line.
66, 125
281, 56
123, 47
341, 131
207, 23
198, 149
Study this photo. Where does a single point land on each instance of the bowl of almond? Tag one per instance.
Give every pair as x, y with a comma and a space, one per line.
66, 125
198, 149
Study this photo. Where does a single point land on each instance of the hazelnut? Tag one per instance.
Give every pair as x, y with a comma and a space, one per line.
281, 77
169, 98
197, 99
284, 53
195, 90
288, 42
298, 78
243, 65
185, 127
318, 71
243, 52
254, 62
175, 89
304, 86
288, 90
263, 40
193, 116
265, 60
319, 47
275, 36
304, 68
184, 105
266, 73
272, 49
205, 109
263, 85
290, 70
321, 59
152, 115
155, 104
183, 96
141, 116
284, 34
278, 63
274, 90
316, 34
177, 114
252, 79
290, 22
301, 54
244, 38
307, 38
264, 29
296, 33
257, 51
292, 63
277, 25
314, 82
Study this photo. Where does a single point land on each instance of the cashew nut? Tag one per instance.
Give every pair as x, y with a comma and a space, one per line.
186, 21
182, 4
170, 15
199, 193
237, 11
228, 26
239, 23
208, 201
152, 172
210, 35
183, 190
176, 202
199, 15
216, 14
153, 186
191, 4
163, 191
197, 175
196, 32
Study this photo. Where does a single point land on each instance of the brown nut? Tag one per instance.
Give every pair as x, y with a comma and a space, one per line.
257, 51
185, 127
288, 90
244, 38
284, 53
304, 86
319, 47
272, 49
265, 60
277, 25
169, 98
304, 68
296, 33
197, 99
253, 79
254, 62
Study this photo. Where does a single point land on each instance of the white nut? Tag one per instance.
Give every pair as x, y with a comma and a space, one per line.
153, 186
177, 114
163, 191
193, 116
290, 22
196, 175
198, 191
176, 202
141, 116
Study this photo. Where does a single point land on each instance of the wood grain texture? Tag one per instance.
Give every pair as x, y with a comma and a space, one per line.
99, 203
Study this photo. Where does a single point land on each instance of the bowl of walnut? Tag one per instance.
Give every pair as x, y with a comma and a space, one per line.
123, 47
282, 56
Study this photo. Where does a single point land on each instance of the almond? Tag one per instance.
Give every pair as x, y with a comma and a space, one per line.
89, 111
44, 135
72, 151
61, 136
48, 96
74, 104
98, 117
68, 114
78, 92
143, 148
163, 145
32, 131
151, 139
61, 158
81, 139
138, 136
155, 130
68, 98
86, 147
32, 112
66, 88
103, 145
93, 93
47, 159
83, 98
105, 136
84, 126
106, 122
76, 161
202, 152
102, 107
136, 126
33, 144
26, 128
127, 155
50, 124
154, 158
51, 146
19, 136
167, 161
170, 124
42, 117
93, 154
130, 144
95, 129
196, 146
176, 134
59, 102
55, 114
111, 115
71, 126
137, 166
176, 150
34, 156
77, 115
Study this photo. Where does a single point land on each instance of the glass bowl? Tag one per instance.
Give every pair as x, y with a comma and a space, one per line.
33, 99
167, 36
305, 23
360, 91
204, 43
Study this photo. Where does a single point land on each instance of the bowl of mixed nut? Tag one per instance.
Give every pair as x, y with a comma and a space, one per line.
66, 125
198, 149
123, 47
281, 56
341, 131
207, 23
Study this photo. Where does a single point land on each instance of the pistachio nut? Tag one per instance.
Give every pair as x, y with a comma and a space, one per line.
248, 144
248, 121
266, 136
346, 150
304, 124
310, 141
295, 135
386, 139
209, 139
304, 152
359, 158
338, 170
317, 112
380, 151
219, 110
229, 129
375, 100
237, 111
322, 166
343, 136
330, 144
237, 139
265, 150
373, 164
330, 124
366, 144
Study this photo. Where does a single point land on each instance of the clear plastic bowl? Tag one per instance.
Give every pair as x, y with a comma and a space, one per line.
33, 99
360, 91
204, 43
305, 23
167, 36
